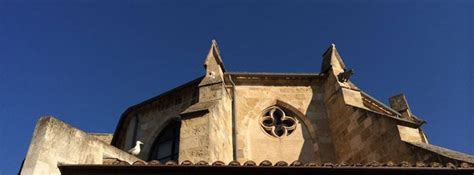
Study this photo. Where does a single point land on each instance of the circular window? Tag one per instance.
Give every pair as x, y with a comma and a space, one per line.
276, 123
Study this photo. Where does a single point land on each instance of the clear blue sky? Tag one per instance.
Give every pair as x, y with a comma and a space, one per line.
86, 61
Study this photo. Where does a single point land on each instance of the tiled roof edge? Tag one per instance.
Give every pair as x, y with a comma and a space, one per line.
296, 163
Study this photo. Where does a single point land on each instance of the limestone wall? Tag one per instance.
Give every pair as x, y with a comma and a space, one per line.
360, 135
221, 130
207, 135
55, 142
105, 137
194, 138
154, 117
308, 142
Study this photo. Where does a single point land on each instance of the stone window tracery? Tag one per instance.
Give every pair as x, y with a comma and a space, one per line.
277, 123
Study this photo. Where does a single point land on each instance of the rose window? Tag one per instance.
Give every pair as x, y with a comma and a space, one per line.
276, 123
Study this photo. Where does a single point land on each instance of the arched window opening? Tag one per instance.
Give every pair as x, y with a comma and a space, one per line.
166, 145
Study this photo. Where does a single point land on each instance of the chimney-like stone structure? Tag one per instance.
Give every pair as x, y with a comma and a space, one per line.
399, 103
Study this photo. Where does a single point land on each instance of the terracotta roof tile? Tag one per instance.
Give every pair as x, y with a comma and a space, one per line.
420, 164
218, 163
297, 163
234, 163
171, 162
250, 163
389, 164
187, 162
329, 164
202, 163
435, 164
465, 165
265, 163
373, 164
139, 162
154, 162
311, 164
281, 163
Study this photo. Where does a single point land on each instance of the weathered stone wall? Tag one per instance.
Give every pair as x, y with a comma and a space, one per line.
56, 142
105, 137
207, 134
221, 129
310, 142
362, 136
194, 138
359, 135
410, 134
154, 117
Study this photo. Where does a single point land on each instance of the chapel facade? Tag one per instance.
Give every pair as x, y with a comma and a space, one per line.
244, 116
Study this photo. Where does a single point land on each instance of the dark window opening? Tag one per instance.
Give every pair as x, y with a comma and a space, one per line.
166, 145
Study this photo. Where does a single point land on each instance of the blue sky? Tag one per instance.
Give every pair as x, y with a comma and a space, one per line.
86, 61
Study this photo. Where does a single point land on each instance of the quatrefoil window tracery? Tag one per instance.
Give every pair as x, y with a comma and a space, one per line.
276, 123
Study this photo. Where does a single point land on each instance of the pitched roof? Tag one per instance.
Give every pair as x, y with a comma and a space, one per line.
124, 115
444, 152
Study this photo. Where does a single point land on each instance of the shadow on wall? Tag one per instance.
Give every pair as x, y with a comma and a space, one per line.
305, 133
318, 119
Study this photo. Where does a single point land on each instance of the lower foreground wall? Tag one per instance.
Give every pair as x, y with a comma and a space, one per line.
55, 142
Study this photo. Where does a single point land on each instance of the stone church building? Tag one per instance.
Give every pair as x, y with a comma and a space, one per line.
225, 122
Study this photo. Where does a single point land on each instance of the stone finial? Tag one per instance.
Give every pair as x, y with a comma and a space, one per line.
214, 57
213, 65
332, 59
